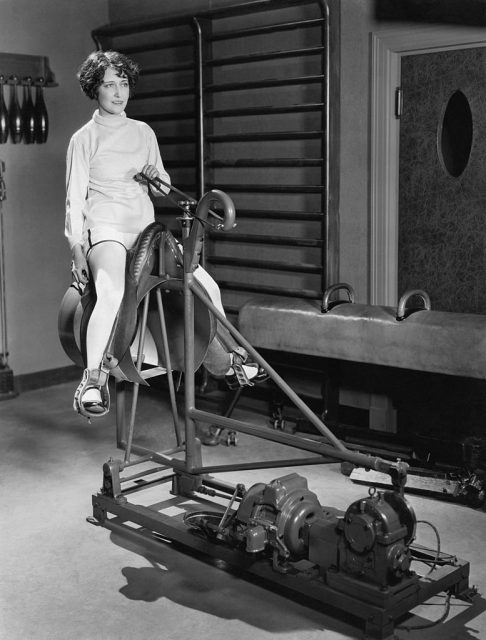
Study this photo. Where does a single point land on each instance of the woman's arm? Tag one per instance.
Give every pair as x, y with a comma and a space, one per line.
77, 177
155, 167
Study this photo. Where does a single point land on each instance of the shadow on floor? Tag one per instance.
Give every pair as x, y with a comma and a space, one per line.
211, 587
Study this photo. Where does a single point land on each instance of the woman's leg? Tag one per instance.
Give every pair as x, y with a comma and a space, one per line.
107, 263
224, 356
218, 357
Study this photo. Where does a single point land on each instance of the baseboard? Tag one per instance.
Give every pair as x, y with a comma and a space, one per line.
47, 378
7, 389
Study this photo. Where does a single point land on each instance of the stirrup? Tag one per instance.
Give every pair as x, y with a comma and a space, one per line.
98, 379
239, 377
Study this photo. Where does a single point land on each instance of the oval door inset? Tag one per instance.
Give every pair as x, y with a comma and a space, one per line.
455, 134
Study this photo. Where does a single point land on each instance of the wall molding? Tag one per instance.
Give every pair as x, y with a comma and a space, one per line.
387, 49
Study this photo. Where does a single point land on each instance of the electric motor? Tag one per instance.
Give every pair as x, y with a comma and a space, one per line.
278, 514
376, 534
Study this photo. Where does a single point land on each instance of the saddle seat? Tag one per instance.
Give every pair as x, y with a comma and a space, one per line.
155, 262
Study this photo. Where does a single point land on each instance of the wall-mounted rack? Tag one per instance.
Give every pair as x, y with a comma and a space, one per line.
28, 123
24, 66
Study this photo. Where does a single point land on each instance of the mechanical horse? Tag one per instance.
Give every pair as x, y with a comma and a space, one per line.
359, 561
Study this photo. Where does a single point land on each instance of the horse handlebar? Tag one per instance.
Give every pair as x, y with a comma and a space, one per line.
227, 221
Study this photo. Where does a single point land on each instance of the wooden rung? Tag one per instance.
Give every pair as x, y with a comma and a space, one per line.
157, 46
271, 28
163, 117
270, 290
162, 93
169, 68
265, 84
252, 163
264, 110
270, 265
267, 55
258, 136
283, 241
268, 188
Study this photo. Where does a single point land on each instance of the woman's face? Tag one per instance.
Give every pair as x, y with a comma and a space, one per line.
113, 94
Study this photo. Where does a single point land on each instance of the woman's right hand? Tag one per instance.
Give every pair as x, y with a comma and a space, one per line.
79, 265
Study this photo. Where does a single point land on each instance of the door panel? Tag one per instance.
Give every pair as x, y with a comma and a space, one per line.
442, 179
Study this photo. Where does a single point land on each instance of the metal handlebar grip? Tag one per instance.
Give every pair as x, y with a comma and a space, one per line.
229, 211
402, 303
326, 303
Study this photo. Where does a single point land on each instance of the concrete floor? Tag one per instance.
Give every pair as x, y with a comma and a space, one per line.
65, 578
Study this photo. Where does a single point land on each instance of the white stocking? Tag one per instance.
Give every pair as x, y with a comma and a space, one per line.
107, 262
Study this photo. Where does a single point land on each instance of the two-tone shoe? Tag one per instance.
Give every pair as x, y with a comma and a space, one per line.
244, 372
92, 397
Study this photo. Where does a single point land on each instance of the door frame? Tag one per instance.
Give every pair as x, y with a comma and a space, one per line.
387, 48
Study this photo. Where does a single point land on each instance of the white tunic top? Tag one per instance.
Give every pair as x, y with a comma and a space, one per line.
102, 159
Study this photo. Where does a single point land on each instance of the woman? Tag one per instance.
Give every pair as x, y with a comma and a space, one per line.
106, 209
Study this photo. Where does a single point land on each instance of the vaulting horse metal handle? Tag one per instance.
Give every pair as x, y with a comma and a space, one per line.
327, 304
403, 311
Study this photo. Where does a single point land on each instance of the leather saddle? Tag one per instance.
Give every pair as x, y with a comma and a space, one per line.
155, 261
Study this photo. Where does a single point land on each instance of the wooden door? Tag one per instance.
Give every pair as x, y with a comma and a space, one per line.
442, 179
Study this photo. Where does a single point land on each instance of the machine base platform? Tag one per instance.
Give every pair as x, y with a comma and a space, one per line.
332, 594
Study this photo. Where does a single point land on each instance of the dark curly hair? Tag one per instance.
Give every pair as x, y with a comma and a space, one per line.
92, 71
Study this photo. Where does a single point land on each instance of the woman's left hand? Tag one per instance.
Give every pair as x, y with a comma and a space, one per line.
150, 171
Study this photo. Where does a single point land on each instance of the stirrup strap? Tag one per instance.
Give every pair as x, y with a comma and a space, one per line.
240, 356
